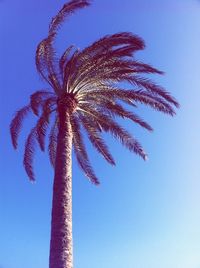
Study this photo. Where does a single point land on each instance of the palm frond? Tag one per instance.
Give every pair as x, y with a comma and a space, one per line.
153, 88
70, 70
36, 100
140, 67
94, 71
29, 153
65, 58
96, 140
46, 63
86, 167
16, 124
109, 125
110, 65
41, 126
80, 151
66, 10
156, 103
49, 105
106, 50
117, 109
125, 50
108, 42
147, 98
123, 136
41, 60
43, 121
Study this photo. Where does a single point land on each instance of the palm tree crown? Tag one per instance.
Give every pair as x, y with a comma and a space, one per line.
88, 83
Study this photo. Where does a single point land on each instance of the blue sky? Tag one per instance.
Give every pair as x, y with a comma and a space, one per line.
144, 214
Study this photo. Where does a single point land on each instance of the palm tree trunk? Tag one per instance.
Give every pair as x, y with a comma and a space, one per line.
61, 222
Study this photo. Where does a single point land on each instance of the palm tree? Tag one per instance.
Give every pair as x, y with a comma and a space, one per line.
86, 93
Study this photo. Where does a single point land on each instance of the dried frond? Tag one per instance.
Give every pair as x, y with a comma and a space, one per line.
80, 151
29, 153
16, 124
66, 10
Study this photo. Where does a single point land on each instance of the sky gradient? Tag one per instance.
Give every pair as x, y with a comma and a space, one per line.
144, 214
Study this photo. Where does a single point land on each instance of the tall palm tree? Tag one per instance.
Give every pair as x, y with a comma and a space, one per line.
86, 93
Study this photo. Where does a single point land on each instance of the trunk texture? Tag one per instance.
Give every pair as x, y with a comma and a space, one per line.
61, 222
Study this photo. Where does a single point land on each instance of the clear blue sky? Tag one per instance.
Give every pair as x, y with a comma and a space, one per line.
144, 214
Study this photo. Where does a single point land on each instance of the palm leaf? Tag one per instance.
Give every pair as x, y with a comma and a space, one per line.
41, 126
70, 70
65, 58
117, 109
16, 124
109, 125
46, 63
110, 41
96, 140
80, 151
153, 88
29, 153
37, 100
43, 122
66, 10
141, 96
